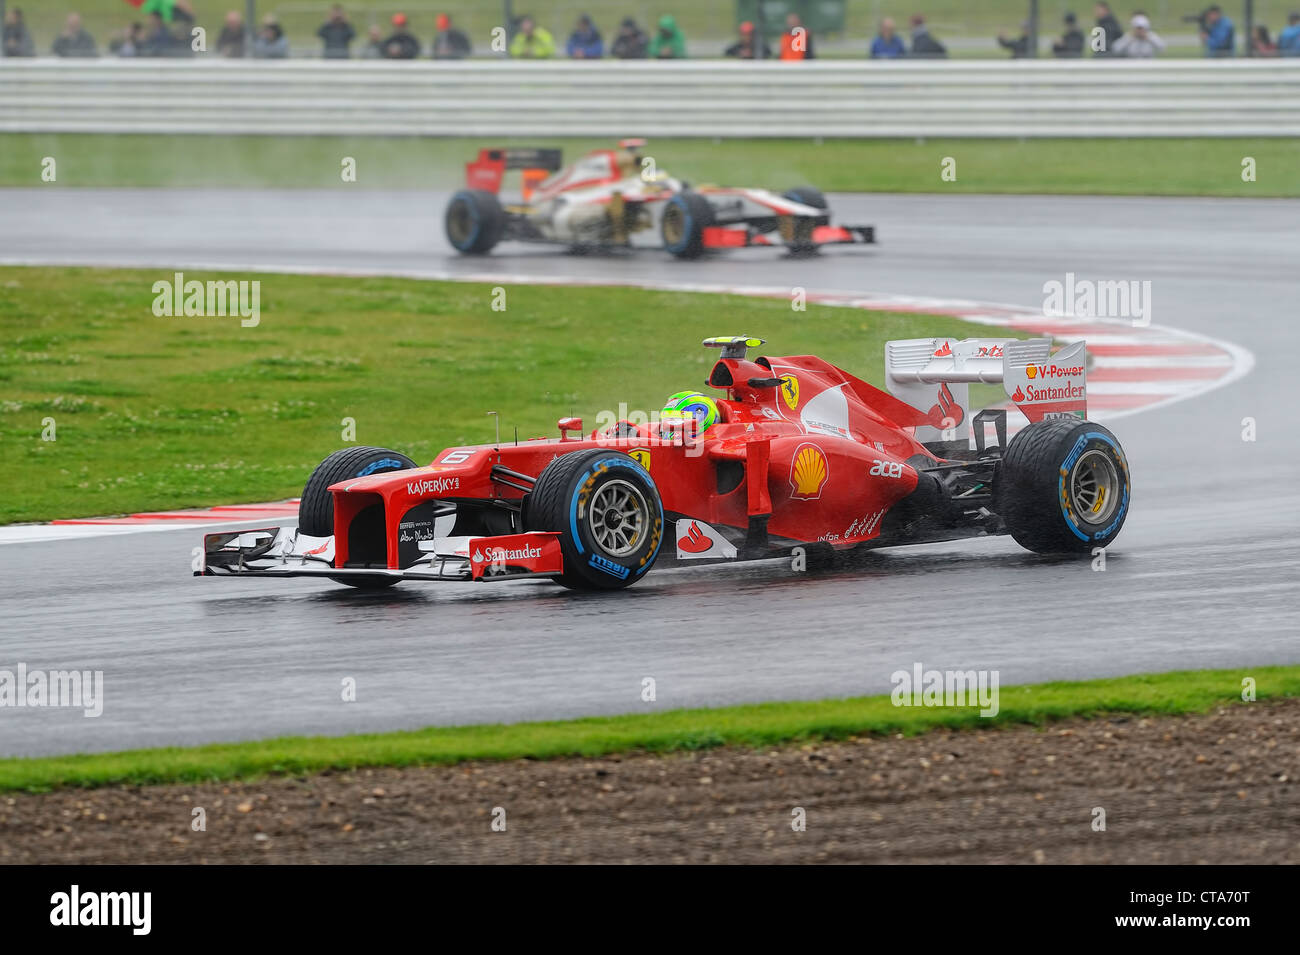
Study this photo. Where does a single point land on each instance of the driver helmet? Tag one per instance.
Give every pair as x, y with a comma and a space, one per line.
691, 404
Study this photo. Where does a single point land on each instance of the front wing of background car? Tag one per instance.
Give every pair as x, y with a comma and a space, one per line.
744, 235
286, 552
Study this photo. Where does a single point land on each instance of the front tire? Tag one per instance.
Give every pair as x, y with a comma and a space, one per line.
316, 508
607, 511
474, 222
1063, 486
682, 226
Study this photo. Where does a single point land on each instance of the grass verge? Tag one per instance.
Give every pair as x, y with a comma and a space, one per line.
763, 724
1158, 167
152, 412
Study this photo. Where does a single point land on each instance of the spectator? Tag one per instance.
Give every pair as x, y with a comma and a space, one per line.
585, 42
449, 43
1019, 47
337, 34
1141, 42
1288, 41
1110, 27
1070, 45
631, 42
158, 40
17, 41
270, 42
128, 42
887, 45
171, 11
796, 41
374, 48
746, 47
74, 40
230, 42
1218, 33
1261, 44
532, 42
401, 45
668, 43
924, 45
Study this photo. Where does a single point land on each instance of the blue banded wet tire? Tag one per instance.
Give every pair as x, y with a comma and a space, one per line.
474, 222
1063, 486
316, 508
607, 511
685, 217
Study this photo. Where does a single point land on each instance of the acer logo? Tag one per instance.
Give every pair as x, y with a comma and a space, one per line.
889, 469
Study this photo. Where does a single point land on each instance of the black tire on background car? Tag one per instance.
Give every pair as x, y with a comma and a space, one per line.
685, 217
474, 221
1063, 486
806, 195
607, 511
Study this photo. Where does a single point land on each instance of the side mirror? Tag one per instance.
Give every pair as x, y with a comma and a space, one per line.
568, 424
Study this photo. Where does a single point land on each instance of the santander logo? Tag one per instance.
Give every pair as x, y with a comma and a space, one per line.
1019, 396
695, 541
943, 351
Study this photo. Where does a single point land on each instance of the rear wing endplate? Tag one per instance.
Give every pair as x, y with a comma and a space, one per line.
934, 375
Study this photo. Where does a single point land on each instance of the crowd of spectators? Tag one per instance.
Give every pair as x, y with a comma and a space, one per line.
168, 24
1108, 38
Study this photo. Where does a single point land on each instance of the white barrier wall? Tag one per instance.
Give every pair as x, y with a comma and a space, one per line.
828, 98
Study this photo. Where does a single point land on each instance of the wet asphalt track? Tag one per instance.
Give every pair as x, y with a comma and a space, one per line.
1206, 572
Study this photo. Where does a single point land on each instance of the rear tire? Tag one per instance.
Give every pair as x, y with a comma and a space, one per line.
1063, 487
607, 511
316, 509
682, 226
474, 222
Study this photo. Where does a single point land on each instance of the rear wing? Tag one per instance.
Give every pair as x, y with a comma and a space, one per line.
489, 169
934, 375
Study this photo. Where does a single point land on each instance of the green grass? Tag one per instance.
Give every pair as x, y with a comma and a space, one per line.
179, 412
1172, 167
677, 730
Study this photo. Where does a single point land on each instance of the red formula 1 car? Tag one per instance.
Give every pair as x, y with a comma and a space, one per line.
797, 453
607, 197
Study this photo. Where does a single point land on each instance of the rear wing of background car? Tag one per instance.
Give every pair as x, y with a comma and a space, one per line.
934, 375
489, 169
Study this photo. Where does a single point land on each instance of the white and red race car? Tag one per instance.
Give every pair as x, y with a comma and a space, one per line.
609, 196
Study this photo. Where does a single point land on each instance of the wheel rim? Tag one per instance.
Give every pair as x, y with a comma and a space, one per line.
460, 224
1094, 487
618, 517
673, 225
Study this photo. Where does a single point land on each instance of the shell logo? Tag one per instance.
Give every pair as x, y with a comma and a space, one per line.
809, 470
1031, 371
790, 391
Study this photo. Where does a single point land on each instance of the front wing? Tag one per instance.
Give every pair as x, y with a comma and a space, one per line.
745, 236
286, 552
